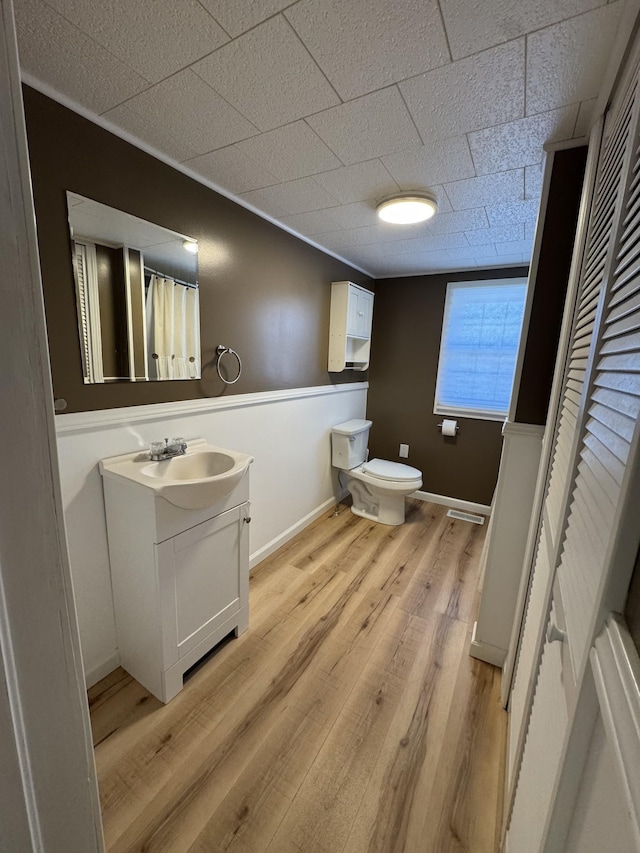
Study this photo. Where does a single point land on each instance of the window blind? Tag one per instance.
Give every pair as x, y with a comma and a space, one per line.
479, 345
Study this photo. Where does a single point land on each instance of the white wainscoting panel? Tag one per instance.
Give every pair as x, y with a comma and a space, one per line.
512, 506
292, 482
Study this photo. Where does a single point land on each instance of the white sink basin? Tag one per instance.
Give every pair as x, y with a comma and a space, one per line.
200, 478
193, 466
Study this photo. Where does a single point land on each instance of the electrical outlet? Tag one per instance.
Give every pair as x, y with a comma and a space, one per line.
404, 451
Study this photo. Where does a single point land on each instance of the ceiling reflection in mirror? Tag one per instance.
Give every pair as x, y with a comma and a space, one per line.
136, 294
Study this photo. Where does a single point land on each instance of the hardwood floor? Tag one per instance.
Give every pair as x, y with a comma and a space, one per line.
348, 718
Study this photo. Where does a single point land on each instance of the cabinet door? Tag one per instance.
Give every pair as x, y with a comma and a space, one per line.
365, 312
203, 575
359, 311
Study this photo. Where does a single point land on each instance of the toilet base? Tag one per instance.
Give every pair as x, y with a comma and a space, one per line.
385, 509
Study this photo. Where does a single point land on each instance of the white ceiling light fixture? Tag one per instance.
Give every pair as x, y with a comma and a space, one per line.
407, 208
190, 246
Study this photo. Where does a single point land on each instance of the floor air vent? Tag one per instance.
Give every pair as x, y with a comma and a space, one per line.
466, 516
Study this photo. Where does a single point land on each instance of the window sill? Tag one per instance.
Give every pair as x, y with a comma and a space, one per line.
471, 414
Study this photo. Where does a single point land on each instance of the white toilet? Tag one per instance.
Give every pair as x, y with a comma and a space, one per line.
378, 487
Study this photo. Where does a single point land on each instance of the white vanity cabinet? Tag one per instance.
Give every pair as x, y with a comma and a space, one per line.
180, 579
350, 326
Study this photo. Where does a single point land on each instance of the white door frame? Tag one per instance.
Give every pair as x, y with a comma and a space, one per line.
48, 784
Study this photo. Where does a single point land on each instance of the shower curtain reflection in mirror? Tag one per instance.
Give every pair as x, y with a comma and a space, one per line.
172, 329
137, 296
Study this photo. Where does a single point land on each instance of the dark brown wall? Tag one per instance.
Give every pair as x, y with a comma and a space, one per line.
263, 292
407, 322
113, 323
552, 276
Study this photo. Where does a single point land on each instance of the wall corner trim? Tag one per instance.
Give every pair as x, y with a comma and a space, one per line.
485, 651
78, 422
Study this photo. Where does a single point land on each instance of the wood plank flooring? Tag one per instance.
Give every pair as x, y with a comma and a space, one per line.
348, 718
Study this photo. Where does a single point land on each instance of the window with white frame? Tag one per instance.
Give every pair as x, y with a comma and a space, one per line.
479, 346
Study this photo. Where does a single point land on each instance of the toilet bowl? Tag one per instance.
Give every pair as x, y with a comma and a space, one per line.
378, 487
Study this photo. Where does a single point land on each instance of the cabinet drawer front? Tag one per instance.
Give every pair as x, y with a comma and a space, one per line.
201, 574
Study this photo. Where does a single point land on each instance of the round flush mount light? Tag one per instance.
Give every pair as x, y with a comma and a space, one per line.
407, 208
190, 246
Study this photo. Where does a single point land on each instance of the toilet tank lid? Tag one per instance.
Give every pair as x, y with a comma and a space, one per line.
386, 470
352, 427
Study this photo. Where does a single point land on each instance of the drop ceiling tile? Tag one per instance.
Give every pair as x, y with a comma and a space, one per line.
488, 189
530, 230
372, 255
394, 248
533, 181
311, 223
585, 118
474, 27
566, 62
289, 152
381, 232
340, 240
460, 220
265, 201
146, 128
520, 143
438, 260
471, 94
371, 234
57, 53
431, 243
358, 182
232, 169
444, 205
187, 109
367, 127
268, 75
512, 212
486, 251
428, 165
512, 260
365, 45
297, 196
515, 247
418, 263
154, 37
482, 236
356, 215
237, 17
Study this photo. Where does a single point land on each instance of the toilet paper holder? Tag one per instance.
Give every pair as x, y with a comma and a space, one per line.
441, 424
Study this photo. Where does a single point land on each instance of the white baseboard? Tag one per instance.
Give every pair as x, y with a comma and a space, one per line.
485, 652
456, 503
102, 670
268, 549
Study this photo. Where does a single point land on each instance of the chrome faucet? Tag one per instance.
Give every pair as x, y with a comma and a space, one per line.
159, 451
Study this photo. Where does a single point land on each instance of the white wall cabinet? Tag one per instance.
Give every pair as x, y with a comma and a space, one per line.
180, 580
350, 326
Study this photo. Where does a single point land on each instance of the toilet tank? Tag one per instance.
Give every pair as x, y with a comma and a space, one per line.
349, 442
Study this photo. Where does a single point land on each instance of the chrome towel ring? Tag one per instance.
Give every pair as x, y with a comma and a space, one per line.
222, 350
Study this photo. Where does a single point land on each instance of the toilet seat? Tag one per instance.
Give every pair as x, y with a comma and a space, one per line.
383, 469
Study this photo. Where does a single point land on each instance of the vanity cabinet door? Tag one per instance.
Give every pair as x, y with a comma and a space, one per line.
203, 577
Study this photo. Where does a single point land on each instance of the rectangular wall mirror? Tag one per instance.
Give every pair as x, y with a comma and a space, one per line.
137, 296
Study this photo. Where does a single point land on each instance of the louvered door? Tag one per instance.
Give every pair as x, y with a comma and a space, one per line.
597, 419
88, 305
597, 254
611, 411
598, 248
